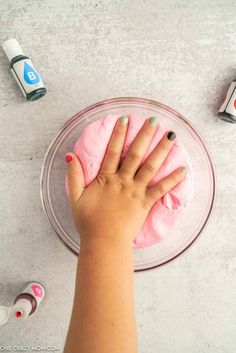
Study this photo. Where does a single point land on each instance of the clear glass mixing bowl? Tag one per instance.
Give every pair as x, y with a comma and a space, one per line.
189, 226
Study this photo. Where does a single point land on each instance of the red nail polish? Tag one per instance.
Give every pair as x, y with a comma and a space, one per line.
68, 158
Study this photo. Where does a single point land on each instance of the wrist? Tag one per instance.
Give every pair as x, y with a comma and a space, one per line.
112, 252
113, 242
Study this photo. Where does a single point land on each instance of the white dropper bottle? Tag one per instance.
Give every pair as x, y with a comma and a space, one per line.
25, 304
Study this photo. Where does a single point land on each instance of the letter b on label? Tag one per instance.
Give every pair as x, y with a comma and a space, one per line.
30, 75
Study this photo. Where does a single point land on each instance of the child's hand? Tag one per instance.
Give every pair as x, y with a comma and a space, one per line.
115, 205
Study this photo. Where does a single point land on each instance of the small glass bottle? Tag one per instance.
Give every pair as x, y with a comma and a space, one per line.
25, 304
24, 72
28, 300
227, 111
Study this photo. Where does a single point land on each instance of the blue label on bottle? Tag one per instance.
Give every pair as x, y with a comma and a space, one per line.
30, 75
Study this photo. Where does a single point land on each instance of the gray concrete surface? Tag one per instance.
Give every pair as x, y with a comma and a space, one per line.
179, 52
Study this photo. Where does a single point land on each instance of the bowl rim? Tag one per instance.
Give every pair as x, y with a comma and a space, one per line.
159, 105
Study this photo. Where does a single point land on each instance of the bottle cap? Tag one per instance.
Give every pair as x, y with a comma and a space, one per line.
22, 308
12, 48
5, 314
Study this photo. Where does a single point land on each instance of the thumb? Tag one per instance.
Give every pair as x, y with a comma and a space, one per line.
75, 177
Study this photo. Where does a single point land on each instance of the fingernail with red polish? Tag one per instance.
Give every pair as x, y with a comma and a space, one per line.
68, 158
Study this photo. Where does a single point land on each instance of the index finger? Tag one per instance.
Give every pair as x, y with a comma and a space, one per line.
114, 149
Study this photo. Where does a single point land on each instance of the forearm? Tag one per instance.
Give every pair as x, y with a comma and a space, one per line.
103, 318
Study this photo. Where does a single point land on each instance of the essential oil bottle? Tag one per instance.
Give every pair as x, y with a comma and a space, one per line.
227, 111
28, 300
25, 304
24, 72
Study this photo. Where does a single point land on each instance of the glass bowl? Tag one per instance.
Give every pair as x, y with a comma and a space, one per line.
186, 230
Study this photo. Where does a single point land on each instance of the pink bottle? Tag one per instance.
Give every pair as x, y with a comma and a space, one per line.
25, 304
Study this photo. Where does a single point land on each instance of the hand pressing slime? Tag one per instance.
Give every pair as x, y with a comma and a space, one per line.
91, 147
